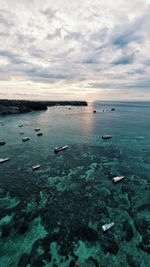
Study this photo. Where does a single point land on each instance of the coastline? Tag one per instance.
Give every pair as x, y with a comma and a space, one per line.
64, 103
8, 107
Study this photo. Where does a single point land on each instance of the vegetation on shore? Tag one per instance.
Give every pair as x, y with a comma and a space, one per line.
22, 106
64, 103
19, 106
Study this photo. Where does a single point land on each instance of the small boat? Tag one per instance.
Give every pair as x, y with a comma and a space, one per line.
21, 133
39, 134
106, 137
94, 111
60, 148
4, 160
107, 226
2, 143
20, 125
35, 167
25, 139
37, 129
117, 179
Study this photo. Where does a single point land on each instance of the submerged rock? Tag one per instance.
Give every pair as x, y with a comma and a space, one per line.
94, 261
24, 260
145, 248
128, 231
84, 233
109, 245
23, 229
5, 232
131, 261
72, 208
113, 247
72, 263
146, 239
142, 226
103, 211
89, 234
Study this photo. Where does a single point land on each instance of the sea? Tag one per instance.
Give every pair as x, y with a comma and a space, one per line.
53, 216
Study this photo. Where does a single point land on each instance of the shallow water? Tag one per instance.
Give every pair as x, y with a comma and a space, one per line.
53, 216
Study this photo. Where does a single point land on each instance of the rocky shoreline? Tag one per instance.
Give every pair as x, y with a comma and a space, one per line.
22, 106
64, 103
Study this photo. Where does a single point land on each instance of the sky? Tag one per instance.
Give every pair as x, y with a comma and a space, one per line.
75, 50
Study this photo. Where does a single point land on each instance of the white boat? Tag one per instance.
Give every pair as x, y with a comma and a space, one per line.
25, 139
37, 129
35, 167
107, 136
117, 179
60, 148
4, 160
107, 226
2, 143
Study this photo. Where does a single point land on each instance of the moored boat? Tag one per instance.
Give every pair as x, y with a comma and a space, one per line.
24, 139
107, 226
4, 160
2, 143
35, 167
60, 148
37, 129
107, 136
39, 134
117, 179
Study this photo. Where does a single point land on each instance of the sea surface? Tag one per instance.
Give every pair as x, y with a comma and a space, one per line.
53, 216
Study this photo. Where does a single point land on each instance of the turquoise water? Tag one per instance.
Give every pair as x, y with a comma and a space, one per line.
53, 216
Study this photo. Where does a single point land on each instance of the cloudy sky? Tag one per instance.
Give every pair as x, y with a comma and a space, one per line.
83, 49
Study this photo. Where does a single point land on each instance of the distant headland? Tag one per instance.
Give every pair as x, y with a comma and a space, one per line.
64, 103
22, 106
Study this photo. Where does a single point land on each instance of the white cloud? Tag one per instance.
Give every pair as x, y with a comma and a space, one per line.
83, 46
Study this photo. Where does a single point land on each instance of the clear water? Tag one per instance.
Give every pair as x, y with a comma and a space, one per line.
53, 216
